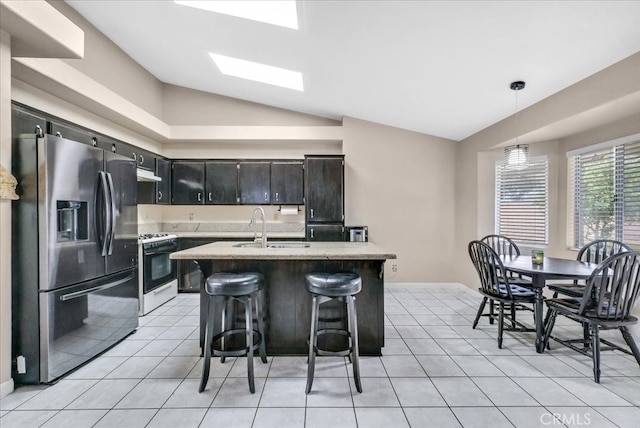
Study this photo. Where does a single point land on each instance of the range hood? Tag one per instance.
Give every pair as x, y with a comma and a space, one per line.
146, 175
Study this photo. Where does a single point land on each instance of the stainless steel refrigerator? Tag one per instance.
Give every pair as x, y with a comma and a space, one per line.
74, 252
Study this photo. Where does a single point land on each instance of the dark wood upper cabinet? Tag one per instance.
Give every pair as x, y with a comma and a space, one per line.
324, 189
146, 160
221, 185
187, 183
254, 178
163, 188
76, 133
25, 121
287, 182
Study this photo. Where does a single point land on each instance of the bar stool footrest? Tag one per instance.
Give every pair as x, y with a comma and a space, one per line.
234, 352
339, 353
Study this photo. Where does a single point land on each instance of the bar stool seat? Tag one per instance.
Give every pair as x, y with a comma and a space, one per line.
245, 287
325, 286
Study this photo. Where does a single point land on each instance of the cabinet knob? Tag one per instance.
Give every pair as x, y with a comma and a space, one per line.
141, 159
94, 142
199, 197
159, 195
277, 197
135, 158
266, 196
58, 134
311, 212
210, 197
312, 233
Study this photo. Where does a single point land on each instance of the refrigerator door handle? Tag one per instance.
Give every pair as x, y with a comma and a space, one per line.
112, 208
77, 294
105, 215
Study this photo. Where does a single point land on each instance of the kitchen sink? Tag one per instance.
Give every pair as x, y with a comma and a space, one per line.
273, 245
288, 245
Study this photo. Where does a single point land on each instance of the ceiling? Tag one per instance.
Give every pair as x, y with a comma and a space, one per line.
437, 67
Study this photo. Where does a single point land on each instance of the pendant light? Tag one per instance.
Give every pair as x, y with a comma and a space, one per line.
516, 156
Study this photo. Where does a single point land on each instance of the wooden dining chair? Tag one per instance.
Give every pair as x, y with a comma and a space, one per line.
505, 246
593, 252
610, 294
495, 286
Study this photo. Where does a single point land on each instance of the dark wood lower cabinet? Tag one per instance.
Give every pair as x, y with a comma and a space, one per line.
288, 304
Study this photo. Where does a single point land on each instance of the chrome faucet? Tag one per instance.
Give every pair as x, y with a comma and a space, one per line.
252, 222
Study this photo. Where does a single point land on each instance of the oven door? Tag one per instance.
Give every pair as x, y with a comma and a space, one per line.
158, 267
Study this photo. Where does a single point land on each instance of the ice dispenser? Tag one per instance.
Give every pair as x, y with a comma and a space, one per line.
72, 221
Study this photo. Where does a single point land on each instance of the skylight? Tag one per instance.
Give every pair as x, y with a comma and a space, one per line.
258, 72
275, 12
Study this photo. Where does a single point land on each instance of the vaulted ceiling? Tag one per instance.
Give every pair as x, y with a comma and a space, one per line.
438, 67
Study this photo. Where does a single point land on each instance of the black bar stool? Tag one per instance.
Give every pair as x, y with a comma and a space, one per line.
324, 287
246, 288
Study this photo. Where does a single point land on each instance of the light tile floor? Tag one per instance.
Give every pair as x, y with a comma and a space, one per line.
436, 372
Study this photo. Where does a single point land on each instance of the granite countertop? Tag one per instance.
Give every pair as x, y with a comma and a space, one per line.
315, 251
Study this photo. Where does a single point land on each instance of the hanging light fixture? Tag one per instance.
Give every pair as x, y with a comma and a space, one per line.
516, 156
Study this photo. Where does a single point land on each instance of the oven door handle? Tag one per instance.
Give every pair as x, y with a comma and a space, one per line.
160, 250
77, 294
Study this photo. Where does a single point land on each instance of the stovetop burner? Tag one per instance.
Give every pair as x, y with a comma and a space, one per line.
146, 238
152, 235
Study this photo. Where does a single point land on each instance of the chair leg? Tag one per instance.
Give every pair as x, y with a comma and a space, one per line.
491, 311
206, 362
263, 346
513, 315
595, 339
500, 324
480, 310
313, 341
631, 342
248, 310
549, 326
353, 332
585, 335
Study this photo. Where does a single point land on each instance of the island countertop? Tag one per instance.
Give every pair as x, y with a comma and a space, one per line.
225, 250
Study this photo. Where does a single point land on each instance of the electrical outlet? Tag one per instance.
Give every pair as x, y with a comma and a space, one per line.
192, 216
394, 268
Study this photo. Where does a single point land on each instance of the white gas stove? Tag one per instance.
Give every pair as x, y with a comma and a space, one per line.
158, 274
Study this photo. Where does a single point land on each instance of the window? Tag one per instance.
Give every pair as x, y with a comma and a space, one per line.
604, 192
522, 201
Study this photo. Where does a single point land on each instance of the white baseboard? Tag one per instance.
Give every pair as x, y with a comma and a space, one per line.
6, 388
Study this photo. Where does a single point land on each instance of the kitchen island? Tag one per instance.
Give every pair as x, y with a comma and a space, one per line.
287, 303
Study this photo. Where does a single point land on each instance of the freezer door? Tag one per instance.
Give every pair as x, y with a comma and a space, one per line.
123, 244
68, 174
80, 321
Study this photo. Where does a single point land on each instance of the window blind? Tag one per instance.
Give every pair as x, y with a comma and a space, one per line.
604, 195
522, 201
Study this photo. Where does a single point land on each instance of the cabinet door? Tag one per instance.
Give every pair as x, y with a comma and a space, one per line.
73, 132
287, 179
254, 180
221, 184
116, 146
324, 189
25, 121
187, 183
146, 160
163, 188
325, 232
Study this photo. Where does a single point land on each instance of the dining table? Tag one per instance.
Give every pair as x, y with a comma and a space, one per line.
550, 268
